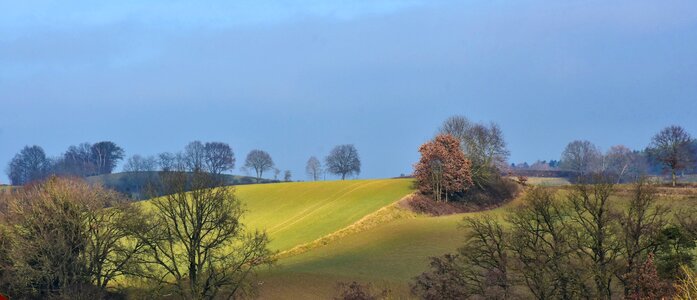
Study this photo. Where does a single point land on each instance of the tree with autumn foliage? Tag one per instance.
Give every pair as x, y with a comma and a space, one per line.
443, 169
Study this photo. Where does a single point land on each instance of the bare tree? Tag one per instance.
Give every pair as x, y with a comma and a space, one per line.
542, 248
581, 157
194, 156
260, 161
137, 163
671, 147
28, 165
484, 145
313, 168
69, 238
195, 241
167, 161
595, 232
219, 157
624, 163
286, 176
641, 226
343, 160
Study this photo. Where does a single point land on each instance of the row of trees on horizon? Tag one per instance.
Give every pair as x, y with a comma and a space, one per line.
84, 160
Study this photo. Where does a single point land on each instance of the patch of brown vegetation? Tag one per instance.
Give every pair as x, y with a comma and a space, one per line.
422, 204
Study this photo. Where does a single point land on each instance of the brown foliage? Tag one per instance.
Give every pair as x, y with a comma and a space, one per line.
443, 168
646, 284
357, 291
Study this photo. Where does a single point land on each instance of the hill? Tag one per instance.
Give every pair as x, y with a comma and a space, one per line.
299, 212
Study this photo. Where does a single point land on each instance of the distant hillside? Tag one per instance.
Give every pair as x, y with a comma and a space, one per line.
133, 184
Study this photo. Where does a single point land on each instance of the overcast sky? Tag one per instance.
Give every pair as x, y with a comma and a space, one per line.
295, 78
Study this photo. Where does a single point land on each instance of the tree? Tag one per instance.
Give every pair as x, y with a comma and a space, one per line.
357, 291
671, 147
168, 162
581, 157
28, 165
442, 169
542, 246
641, 225
106, 155
286, 176
443, 281
595, 232
484, 145
137, 163
77, 161
343, 160
313, 168
260, 161
195, 241
219, 157
194, 156
624, 163
69, 238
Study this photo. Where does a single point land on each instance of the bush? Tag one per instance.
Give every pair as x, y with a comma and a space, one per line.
497, 191
357, 291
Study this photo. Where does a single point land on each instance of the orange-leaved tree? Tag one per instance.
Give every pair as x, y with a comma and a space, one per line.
443, 168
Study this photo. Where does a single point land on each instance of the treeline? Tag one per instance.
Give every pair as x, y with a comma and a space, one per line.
671, 151
32, 163
580, 243
65, 239
84, 160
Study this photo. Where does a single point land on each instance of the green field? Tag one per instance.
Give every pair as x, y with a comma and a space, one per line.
388, 253
300, 212
388, 256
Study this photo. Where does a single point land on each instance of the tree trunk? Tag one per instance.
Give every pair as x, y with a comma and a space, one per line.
674, 178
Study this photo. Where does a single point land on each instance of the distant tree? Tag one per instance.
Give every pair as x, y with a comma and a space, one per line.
624, 163
313, 168
286, 176
106, 155
194, 156
484, 145
343, 160
671, 147
276, 173
219, 157
195, 241
260, 161
581, 157
137, 163
443, 169
167, 161
30, 164
77, 161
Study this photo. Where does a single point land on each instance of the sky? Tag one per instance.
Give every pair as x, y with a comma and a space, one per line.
296, 78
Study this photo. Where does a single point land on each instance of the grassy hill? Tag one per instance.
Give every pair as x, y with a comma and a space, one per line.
388, 256
299, 212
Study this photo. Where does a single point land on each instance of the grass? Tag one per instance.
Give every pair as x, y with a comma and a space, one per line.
392, 254
389, 256
301, 212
